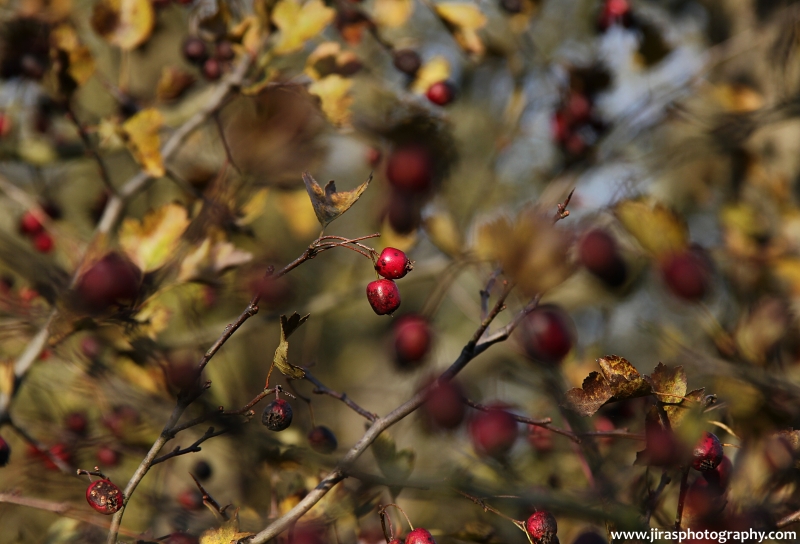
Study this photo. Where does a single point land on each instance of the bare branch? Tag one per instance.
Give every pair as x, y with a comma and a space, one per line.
322, 389
544, 423
191, 449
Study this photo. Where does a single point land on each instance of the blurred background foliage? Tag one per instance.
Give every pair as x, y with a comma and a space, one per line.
673, 120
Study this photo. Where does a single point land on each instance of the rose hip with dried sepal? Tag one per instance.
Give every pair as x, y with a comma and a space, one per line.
104, 496
383, 296
393, 264
542, 527
277, 416
707, 454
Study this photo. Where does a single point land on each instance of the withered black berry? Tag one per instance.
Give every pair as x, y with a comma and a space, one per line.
277, 415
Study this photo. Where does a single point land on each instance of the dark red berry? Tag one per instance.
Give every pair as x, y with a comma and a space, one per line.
194, 50
224, 51
598, 252
76, 422
29, 225
719, 478
113, 280
441, 93
191, 499
277, 415
687, 275
393, 264
104, 497
373, 156
494, 432
181, 538
322, 440
707, 454
412, 339
444, 405
541, 439
383, 296
5, 452
407, 61
212, 69
548, 334
202, 470
542, 527
603, 424
107, 456
43, 242
420, 536
410, 169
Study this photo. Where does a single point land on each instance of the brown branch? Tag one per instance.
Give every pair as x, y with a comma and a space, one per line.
682, 497
487, 291
654, 496
322, 389
794, 517
191, 449
87, 142
562, 212
41, 448
209, 501
544, 423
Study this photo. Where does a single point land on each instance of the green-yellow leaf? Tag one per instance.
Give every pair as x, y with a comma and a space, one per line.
153, 241
657, 229
334, 94
298, 23
392, 13
281, 359
228, 533
327, 203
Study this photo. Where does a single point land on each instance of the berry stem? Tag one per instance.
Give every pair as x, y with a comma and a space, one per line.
383, 509
486, 508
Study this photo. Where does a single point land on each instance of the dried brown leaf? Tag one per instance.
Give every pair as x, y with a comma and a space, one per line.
329, 204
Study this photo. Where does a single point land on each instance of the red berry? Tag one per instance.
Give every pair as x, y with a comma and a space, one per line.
420, 536
59, 451
224, 51
277, 415
412, 339
444, 405
542, 527
599, 254
410, 169
29, 225
687, 275
76, 422
393, 264
194, 50
212, 69
43, 242
5, 123
191, 499
548, 334
104, 497
541, 439
383, 296
603, 424
113, 280
719, 478
614, 12
494, 432
707, 452
181, 538
373, 156
5, 452
579, 108
441, 93
322, 440
107, 456
407, 61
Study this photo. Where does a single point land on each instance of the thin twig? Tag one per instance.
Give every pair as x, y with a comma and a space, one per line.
486, 508
682, 497
210, 433
209, 501
486, 292
322, 389
562, 211
87, 142
544, 423
654, 496
41, 448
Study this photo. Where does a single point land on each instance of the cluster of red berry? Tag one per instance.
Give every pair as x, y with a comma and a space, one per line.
383, 295
212, 64
31, 226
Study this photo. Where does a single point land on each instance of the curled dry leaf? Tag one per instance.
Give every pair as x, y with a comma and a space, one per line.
617, 380
281, 359
392, 13
141, 135
464, 20
668, 384
81, 64
298, 23
531, 250
124, 23
658, 229
153, 241
328, 204
228, 533
334, 93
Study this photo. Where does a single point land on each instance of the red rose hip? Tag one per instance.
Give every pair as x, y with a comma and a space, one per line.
113, 280
444, 405
707, 454
383, 296
542, 527
104, 497
393, 264
494, 432
548, 334
412, 339
687, 275
410, 169
599, 254
441, 93
420, 536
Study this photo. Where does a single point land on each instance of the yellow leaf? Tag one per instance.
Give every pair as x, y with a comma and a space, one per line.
657, 229
154, 318
226, 534
322, 61
464, 19
392, 13
253, 208
37, 151
208, 259
435, 70
141, 133
327, 203
299, 215
153, 241
109, 133
334, 92
81, 63
281, 359
124, 23
299, 23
